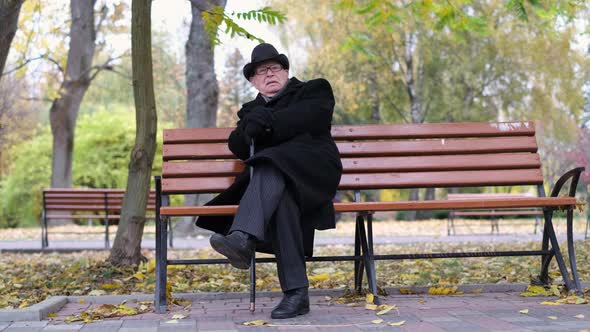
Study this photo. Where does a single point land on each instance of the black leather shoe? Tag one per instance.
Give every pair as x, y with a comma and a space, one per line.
238, 247
295, 302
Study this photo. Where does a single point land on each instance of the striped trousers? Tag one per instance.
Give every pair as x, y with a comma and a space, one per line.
269, 212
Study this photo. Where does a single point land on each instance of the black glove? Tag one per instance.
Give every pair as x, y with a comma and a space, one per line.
261, 115
258, 123
253, 130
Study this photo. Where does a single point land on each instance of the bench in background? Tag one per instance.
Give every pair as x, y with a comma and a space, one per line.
89, 204
438, 155
492, 214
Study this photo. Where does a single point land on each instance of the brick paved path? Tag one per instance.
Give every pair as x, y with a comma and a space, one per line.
469, 313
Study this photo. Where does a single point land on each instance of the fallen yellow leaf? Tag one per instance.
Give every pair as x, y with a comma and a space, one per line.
173, 321
400, 323
377, 321
369, 306
385, 310
552, 317
524, 311
550, 303
258, 322
178, 316
53, 314
82, 301
370, 298
319, 277
406, 291
580, 316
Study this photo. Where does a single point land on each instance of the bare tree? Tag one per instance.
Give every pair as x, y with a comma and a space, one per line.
9, 11
127, 244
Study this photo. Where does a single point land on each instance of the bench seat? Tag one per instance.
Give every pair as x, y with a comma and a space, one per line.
557, 202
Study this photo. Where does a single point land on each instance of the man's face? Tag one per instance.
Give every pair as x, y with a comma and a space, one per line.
268, 82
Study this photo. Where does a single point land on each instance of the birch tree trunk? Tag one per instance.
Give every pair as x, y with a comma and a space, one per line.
64, 109
127, 244
9, 11
201, 84
414, 88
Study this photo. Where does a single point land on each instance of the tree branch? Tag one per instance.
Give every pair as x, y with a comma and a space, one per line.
26, 62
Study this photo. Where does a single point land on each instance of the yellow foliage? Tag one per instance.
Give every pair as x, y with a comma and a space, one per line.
258, 322
444, 291
319, 277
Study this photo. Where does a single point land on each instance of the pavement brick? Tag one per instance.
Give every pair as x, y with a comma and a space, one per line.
422, 327
23, 329
63, 327
139, 329
216, 325
3, 326
487, 322
441, 319
139, 323
30, 324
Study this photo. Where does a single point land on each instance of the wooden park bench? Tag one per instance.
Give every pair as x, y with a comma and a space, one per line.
493, 215
397, 156
86, 204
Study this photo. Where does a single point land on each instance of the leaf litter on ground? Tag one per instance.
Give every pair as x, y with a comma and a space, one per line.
26, 279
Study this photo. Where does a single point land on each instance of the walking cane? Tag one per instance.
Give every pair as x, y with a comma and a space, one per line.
253, 262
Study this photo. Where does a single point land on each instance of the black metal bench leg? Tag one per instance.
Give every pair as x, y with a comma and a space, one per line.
571, 250
170, 234
545, 259
368, 261
555, 247
253, 283
44, 230
358, 264
161, 255
106, 233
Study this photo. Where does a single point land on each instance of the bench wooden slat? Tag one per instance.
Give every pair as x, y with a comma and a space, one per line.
377, 148
88, 216
377, 180
426, 130
485, 196
389, 206
370, 164
498, 213
88, 195
70, 207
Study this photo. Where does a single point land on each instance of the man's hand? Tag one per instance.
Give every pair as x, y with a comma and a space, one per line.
253, 130
258, 123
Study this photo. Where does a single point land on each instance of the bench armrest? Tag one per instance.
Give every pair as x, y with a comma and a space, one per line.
574, 174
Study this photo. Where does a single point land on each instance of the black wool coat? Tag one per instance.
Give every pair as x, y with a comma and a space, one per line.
301, 146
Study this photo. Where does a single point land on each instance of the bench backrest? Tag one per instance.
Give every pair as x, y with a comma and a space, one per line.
197, 160
88, 200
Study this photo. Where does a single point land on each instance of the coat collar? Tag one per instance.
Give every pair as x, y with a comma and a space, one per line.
293, 86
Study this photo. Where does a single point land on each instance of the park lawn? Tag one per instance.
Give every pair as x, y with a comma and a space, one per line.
26, 279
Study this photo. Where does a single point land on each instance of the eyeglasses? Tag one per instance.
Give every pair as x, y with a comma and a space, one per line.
263, 70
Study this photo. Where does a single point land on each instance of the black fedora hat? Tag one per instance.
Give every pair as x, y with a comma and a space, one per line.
261, 53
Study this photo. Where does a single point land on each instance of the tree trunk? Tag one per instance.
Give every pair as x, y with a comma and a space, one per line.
9, 11
64, 109
414, 96
201, 84
127, 244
